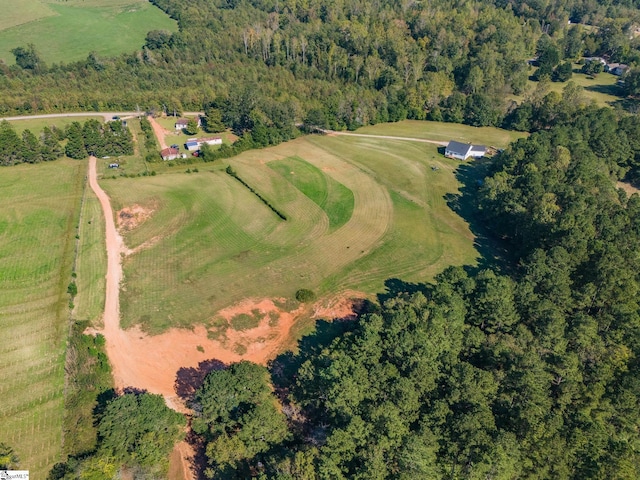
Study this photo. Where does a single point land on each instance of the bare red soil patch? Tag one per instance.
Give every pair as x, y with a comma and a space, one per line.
130, 217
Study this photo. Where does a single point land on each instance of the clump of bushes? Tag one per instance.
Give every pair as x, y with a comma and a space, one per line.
305, 296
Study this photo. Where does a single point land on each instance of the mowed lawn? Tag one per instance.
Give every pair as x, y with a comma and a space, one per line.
359, 211
69, 31
37, 238
443, 132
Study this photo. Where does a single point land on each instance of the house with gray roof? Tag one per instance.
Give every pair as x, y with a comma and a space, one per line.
462, 151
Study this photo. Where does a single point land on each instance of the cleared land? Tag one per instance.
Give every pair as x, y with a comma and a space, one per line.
37, 237
69, 31
206, 241
38, 124
602, 89
443, 132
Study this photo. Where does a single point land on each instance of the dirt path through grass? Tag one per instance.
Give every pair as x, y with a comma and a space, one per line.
158, 131
387, 137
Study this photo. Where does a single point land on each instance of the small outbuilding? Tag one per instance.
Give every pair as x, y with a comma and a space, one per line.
192, 145
170, 154
462, 151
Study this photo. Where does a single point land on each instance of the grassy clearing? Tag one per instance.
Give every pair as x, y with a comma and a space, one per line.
443, 132
36, 125
37, 236
128, 164
211, 242
334, 198
602, 89
76, 28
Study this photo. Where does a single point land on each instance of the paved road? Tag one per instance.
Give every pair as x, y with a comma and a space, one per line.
105, 115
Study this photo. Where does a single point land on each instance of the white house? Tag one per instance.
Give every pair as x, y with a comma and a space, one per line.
462, 151
210, 141
182, 123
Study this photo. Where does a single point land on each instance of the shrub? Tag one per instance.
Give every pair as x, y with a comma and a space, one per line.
304, 296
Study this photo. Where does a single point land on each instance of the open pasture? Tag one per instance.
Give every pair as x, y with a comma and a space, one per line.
443, 132
359, 211
69, 31
37, 238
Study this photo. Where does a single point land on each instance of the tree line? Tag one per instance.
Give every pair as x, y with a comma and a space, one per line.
75, 141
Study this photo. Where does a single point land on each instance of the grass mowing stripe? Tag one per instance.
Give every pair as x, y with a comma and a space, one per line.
334, 198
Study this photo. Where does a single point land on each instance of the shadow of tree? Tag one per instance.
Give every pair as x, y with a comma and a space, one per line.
493, 252
189, 379
395, 287
102, 400
613, 90
631, 105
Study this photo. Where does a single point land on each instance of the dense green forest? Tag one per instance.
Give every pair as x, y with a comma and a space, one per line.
347, 62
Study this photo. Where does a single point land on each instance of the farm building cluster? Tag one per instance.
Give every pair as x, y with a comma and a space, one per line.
192, 145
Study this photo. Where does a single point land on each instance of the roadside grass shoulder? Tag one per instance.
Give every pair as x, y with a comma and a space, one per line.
36, 125
91, 264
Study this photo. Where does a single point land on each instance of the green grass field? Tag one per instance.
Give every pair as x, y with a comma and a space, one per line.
36, 125
91, 265
359, 211
68, 31
442, 131
37, 238
332, 197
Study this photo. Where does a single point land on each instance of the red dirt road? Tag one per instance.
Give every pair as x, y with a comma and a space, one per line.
158, 131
